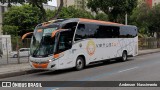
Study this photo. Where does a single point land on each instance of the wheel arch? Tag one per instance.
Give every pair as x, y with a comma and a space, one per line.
84, 58
125, 52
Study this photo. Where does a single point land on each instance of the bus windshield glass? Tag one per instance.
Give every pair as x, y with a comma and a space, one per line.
42, 44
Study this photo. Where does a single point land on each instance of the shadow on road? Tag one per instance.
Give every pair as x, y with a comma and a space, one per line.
94, 65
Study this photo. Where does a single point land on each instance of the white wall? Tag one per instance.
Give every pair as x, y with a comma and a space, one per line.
5, 44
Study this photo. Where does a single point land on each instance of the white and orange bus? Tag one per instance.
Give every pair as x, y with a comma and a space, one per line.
77, 42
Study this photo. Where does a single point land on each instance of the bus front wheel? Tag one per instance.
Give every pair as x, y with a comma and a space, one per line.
79, 63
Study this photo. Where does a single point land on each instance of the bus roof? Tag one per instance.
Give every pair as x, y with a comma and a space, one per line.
98, 21
81, 20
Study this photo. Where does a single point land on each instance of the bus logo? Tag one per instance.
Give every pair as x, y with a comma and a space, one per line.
91, 47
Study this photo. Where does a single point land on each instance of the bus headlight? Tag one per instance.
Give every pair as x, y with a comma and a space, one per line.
50, 60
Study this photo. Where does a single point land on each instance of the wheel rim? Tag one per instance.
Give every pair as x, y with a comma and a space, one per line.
79, 64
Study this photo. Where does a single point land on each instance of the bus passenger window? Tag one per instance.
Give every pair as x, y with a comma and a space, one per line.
80, 33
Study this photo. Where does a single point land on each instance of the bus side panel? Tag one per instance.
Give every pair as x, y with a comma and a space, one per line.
80, 48
136, 46
98, 49
70, 56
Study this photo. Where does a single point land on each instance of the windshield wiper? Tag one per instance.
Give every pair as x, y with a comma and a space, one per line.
36, 50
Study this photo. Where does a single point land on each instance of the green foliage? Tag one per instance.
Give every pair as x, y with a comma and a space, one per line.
115, 9
146, 19
154, 20
39, 5
140, 17
34, 3
11, 30
21, 18
101, 16
71, 12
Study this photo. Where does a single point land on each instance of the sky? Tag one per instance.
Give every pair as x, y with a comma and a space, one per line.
52, 3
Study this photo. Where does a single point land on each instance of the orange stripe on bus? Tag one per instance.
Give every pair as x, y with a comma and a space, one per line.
56, 55
97, 21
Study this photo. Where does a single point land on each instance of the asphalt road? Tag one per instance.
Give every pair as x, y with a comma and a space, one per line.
142, 68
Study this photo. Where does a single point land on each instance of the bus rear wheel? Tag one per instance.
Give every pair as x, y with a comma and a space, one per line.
79, 63
124, 56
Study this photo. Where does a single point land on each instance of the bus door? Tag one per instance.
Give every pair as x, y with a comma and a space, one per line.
64, 46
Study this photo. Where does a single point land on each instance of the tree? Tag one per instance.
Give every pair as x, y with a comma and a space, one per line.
8, 29
72, 12
39, 4
154, 21
139, 18
147, 19
59, 9
34, 3
21, 18
101, 16
115, 9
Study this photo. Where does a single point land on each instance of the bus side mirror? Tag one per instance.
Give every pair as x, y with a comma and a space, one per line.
25, 35
54, 32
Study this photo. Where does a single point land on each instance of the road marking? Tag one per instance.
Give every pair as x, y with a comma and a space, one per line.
127, 69
55, 89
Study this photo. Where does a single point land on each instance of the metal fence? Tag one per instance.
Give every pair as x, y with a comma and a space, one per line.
16, 44
149, 43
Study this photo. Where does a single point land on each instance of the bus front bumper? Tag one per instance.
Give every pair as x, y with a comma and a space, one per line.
44, 65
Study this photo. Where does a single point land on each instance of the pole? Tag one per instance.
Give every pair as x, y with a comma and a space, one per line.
29, 49
7, 50
17, 49
126, 19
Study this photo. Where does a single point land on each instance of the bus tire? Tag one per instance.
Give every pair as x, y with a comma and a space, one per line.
124, 56
79, 63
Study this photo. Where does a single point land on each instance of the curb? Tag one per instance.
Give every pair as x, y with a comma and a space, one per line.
30, 71
18, 73
140, 54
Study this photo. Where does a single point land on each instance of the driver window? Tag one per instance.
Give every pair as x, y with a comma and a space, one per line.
64, 41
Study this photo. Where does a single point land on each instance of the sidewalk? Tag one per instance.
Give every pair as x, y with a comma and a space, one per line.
24, 68
148, 51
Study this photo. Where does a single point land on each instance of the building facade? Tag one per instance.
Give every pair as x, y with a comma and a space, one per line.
152, 3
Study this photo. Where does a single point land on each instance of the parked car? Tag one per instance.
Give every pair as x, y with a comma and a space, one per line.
23, 52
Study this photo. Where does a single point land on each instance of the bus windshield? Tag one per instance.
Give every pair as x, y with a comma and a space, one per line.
42, 44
